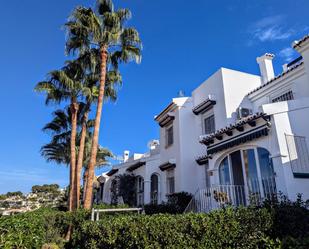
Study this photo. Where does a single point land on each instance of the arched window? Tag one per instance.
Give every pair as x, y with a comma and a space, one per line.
251, 167
140, 191
224, 172
154, 188
267, 172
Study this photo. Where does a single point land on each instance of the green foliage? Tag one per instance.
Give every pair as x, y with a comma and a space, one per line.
176, 204
46, 188
243, 228
278, 224
290, 221
17, 193
109, 206
124, 185
33, 229
4, 204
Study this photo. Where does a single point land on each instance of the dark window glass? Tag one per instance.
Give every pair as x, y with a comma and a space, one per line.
169, 136
209, 125
224, 172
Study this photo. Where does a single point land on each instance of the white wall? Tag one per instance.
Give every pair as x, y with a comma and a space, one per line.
290, 117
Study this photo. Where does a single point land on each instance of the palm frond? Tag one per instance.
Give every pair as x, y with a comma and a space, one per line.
104, 6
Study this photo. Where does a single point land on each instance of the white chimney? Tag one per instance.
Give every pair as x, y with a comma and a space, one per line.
285, 67
126, 155
266, 67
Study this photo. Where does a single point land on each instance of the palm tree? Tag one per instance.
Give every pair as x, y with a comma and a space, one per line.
58, 149
102, 29
63, 85
62, 126
110, 93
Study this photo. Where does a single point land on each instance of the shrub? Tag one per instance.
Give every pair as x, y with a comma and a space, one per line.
290, 221
176, 204
243, 228
108, 206
33, 229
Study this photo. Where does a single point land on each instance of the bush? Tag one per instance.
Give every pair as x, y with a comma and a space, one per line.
176, 204
243, 228
108, 206
36, 228
290, 221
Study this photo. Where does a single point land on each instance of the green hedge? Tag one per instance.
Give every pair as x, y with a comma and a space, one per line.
243, 228
176, 204
280, 224
33, 229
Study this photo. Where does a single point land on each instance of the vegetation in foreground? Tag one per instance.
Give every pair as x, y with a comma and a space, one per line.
279, 224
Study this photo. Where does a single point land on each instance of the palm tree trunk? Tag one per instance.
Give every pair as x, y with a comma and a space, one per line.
95, 138
74, 109
85, 184
80, 159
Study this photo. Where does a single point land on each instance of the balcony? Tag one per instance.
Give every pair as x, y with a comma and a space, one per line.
220, 196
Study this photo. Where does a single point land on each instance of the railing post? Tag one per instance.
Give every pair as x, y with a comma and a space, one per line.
98, 216
92, 214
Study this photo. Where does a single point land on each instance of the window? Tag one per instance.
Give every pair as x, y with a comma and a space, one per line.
209, 124
140, 190
283, 97
170, 180
224, 172
251, 169
298, 153
154, 188
169, 136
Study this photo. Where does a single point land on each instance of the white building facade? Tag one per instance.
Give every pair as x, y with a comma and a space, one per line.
239, 138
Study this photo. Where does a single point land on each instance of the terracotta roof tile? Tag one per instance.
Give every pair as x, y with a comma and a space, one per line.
277, 77
239, 123
298, 43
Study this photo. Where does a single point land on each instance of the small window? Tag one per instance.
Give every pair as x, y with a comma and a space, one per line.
140, 184
140, 191
298, 154
169, 136
170, 182
283, 97
209, 124
154, 189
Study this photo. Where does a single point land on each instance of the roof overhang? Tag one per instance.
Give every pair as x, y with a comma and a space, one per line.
135, 166
202, 160
112, 172
171, 164
204, 106
268, 86
302, 44
166, 117
250, 135
167, 120
244, 130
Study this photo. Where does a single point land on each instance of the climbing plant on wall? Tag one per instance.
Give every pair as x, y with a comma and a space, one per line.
124, 186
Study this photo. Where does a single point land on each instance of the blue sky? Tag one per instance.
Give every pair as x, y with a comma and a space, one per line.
184, 43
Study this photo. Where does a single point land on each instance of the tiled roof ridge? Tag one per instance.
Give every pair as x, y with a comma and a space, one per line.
277, 77
299, 42
232, 126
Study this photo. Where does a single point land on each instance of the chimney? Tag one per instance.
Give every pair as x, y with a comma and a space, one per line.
285, 67
126, 155
266, 67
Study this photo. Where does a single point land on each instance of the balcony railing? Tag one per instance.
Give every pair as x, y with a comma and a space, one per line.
216, 197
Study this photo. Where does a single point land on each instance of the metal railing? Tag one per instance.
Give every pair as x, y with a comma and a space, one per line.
95, 214
217, 197
206, 200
